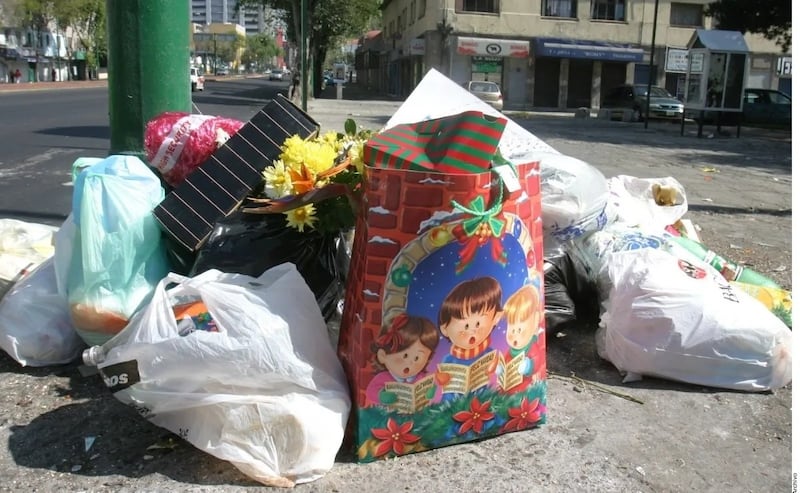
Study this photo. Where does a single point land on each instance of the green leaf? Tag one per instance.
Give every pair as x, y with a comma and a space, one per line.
350, 126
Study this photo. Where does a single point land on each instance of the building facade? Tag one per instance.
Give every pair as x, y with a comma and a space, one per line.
553, 53
254, 19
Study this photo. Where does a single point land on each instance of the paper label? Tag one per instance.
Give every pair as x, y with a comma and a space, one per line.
173, 143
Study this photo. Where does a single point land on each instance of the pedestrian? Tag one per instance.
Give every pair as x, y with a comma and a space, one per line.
17, 76
295, 85
53, 75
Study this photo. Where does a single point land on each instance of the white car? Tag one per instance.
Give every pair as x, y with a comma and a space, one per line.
197, 79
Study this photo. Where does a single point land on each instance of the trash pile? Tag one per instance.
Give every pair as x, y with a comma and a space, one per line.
451, 243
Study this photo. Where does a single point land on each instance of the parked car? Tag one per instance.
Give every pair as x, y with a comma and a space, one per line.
196, 78
634, 97
759, 107
276, 74
223, 71
486, 91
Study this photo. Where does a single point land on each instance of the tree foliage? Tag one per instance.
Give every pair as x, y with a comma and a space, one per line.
88, 21
771, 18
329, 21
260, 49
87, 18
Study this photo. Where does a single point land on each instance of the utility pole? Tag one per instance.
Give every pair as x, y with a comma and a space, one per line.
303, 56
650, 69
148, 67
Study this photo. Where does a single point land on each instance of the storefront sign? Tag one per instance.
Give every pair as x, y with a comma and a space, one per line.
587, 49
785, 65
416, 46
493, 47
487, 64
677, 59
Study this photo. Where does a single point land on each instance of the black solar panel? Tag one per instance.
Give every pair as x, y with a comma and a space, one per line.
219, 185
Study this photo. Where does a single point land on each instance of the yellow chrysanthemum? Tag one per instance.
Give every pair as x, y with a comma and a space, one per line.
331, 139
277, 181
356, 155
302, 217
316, 155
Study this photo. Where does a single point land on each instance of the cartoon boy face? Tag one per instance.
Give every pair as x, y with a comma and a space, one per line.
471, 331
407, 362
520, 332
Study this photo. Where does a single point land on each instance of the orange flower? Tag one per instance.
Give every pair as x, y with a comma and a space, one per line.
524, 416
394, 437
474, 419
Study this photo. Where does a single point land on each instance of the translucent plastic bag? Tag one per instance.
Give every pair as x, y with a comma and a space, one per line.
646, 202
117, 253
240, 367
23, 246
35, 328
574, 196
678, 318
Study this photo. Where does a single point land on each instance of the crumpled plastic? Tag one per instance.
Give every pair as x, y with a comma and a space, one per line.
177, 143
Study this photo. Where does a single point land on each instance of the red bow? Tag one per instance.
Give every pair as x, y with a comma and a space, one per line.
390, 341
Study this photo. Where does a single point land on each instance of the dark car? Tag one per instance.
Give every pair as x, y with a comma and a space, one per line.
633, 97
766, 106
759, 107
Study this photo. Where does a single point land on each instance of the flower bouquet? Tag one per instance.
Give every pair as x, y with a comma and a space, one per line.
300, 215
314, 182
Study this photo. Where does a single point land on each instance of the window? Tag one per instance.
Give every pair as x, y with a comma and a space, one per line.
404, 20
412, 13
560, 8
609, 10
422, 7
488, 6
686, 14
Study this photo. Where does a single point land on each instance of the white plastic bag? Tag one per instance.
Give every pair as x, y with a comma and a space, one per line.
679, 319
23, 246
258, 384
646, 202
35, 328
574, 196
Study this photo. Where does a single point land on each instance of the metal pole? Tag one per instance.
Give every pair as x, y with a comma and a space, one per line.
303, 56
650, 71
148, 67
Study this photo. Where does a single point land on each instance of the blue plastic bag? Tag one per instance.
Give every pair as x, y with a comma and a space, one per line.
118, 256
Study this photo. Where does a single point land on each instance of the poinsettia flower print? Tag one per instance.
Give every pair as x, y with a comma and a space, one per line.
394, 437
474, 419
524, 416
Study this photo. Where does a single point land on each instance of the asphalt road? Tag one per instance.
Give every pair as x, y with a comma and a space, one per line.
43, 132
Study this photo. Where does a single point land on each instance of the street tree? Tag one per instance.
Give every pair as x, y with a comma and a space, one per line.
260, 49
35, 15
771, 18
328, 21
87, 18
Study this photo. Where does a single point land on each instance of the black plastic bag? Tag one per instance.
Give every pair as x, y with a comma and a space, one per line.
246, 243
570, 296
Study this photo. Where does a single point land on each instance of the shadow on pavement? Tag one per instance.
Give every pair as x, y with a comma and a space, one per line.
88, 131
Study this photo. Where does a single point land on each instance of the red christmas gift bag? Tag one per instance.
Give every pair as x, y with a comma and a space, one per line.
442, 336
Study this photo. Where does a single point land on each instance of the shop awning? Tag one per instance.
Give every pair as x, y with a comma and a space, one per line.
587, 49
493, 47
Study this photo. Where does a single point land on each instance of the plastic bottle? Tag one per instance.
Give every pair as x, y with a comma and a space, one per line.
94, 355
729, 270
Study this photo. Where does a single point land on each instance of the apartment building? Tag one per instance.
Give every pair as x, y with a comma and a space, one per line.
254, 19
548, 53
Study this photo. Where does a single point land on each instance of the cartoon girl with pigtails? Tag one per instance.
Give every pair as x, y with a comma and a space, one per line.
402, 352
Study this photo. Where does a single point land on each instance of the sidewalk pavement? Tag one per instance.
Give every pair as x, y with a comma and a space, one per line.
52, 86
